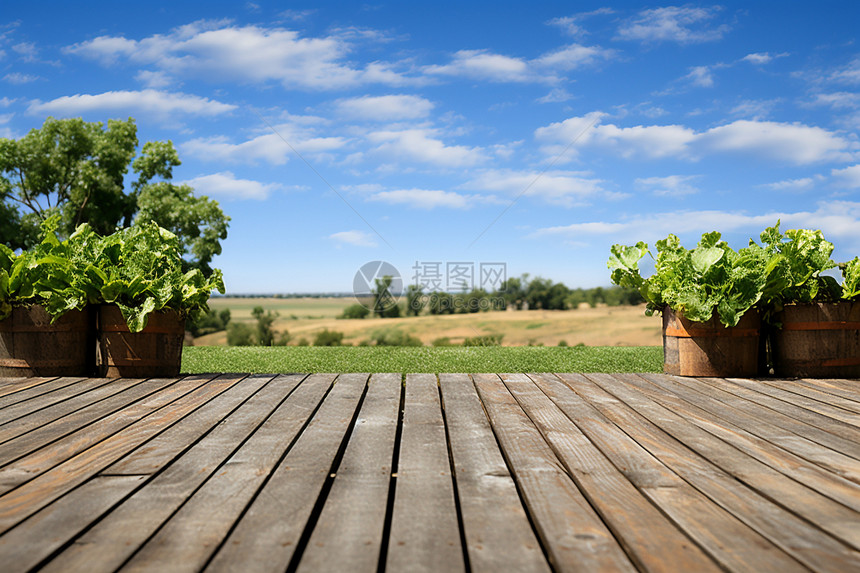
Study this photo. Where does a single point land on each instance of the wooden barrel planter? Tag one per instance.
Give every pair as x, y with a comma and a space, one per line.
156, 351
817, 340
31, 346
710, 348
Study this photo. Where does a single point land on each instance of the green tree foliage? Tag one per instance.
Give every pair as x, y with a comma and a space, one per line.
415, 300
328, 338
355, 311
78, 170
240, 334
394, 337
384, 303
212, 321
265, 335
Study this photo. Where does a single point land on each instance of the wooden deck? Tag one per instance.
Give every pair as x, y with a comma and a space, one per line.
457, 472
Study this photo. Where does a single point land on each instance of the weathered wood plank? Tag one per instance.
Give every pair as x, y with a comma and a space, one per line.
118, 535
777, 412
820, 393
21, 502
162, 449
729, 541
14, 385
348, 533
574, 537
102, 416
649, 422
849, 392
727, 426
47, 386
44, 401
281, 490
425, 535
33, 419
846, 424
26, 545
496, 527
651, 540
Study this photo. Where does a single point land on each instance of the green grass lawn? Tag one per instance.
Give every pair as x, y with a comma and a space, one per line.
200, 359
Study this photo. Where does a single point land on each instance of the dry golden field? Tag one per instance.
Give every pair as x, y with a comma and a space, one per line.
601, 326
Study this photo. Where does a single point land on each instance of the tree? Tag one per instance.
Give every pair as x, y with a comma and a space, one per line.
384, 302
265, 336
415, 300
78, 169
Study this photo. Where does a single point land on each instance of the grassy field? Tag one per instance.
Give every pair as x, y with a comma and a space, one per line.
426, 359
304, 317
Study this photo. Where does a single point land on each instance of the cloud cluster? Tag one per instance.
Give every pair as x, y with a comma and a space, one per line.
154, 103
792, 143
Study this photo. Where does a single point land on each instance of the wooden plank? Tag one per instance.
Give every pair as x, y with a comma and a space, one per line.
26, 545
573, 536
93, 415
36, 390
831, 418
48, 399
776, 412
643, 418
425, 534
496, 527
35, 419
14, 385
728, 428
650, 539
849, 392
281, 490
729, 541
163, 448
818, 392
111, 541
707, 397
348, 534
36, 493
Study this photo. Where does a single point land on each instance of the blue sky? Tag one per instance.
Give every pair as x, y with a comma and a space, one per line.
336, 133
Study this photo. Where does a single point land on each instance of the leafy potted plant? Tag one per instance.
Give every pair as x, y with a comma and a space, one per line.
813, 322
707, 296
46, 327
136, 277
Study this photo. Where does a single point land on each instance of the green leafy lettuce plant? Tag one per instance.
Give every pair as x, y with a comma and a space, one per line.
140, 270
713, 278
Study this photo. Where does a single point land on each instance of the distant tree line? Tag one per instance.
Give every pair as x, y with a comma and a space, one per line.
518, 293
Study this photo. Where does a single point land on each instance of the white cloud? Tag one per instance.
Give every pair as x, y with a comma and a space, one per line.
27, 51
570, 24
566, 188
790, 142
354, 238
6, 102
556, 95
218, 52
838, 100
422, 145
481, 64
701, 76
849, 74
574, 56
672, 185
754, 109
19, 78
156, 103
761, 58
225, 184
385, 108
154, 79
837, 219
685, 25
848, 177
427, 198
267, 147
787, 142
793, 185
